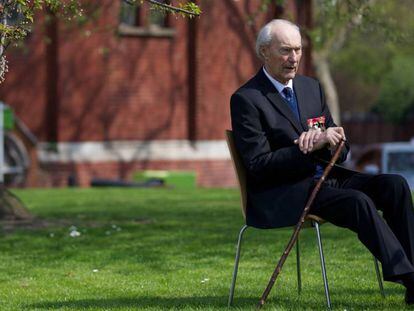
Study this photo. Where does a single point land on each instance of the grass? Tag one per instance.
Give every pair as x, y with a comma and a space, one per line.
154, 249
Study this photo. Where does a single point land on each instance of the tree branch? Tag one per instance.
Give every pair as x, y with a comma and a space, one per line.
168, 6
338, 39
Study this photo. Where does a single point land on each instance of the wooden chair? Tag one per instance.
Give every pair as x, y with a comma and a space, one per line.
312, 221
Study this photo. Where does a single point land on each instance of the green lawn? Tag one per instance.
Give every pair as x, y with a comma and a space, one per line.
170, 249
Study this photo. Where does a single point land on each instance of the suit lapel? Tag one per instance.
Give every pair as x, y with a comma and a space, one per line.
301, 99
277, 101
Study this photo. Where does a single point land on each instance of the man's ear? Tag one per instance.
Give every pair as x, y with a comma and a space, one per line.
264, 51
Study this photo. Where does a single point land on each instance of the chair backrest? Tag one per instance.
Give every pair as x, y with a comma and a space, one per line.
241, 178
239, 169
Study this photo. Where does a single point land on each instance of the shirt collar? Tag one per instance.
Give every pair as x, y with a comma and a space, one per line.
279, 86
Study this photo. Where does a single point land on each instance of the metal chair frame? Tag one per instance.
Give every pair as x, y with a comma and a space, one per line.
315, 222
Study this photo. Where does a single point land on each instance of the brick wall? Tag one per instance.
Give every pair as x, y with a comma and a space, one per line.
113, 87
120, 88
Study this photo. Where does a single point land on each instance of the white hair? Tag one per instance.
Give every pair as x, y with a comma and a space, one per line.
265, 36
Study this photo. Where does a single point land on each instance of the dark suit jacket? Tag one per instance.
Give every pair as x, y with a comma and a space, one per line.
279, 175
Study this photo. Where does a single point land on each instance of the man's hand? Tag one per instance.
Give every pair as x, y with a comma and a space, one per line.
334, 135
307, 141
315, 139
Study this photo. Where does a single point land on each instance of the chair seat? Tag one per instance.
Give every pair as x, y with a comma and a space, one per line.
315, 218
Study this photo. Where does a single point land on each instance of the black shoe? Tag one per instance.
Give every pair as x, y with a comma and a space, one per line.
409, 297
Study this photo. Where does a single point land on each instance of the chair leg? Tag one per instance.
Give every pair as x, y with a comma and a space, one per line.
236, 265
325, 280
298, 266
381, 287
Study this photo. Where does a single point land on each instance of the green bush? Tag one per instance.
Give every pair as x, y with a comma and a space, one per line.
397, 90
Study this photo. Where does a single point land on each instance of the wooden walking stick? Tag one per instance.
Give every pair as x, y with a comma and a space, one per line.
299, 225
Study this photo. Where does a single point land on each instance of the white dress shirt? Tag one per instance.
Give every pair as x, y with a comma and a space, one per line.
279, 86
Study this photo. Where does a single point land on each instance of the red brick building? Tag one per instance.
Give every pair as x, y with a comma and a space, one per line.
130, 90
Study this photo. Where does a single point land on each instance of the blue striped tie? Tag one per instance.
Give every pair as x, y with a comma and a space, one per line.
291, 100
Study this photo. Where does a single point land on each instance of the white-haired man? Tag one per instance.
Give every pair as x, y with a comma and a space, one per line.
285, 133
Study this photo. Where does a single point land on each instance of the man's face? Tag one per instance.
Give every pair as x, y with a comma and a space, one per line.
283, 55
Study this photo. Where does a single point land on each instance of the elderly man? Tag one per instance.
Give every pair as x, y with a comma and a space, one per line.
285, 134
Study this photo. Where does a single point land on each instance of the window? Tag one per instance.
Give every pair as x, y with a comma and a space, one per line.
142, 20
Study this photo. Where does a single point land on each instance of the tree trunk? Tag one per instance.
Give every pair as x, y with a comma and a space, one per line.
11, 208
323, 72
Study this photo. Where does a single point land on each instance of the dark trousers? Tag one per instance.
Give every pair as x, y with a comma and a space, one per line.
353, 203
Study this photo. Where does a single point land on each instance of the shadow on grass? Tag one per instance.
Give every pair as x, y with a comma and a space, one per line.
286, 303
143, 302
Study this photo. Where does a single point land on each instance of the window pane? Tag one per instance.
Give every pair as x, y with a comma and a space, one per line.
128, 14
157, 18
